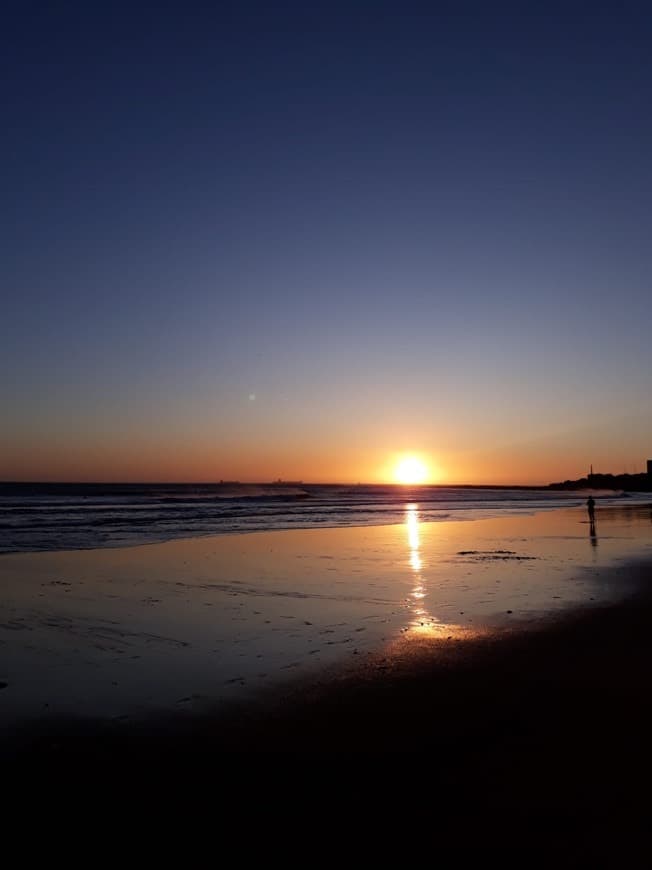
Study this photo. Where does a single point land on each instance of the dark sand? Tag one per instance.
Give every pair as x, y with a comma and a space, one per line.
534, 738
548, 726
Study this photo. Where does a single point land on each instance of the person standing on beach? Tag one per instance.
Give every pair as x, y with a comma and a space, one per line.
591, 506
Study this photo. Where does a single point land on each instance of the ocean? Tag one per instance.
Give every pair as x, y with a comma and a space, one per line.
40, 517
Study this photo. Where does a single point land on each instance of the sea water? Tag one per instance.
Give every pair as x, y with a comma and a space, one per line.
40, 517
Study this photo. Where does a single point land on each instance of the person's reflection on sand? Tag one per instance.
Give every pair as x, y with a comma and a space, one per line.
593, 534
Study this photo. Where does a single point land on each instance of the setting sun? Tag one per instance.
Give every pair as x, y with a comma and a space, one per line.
411, 470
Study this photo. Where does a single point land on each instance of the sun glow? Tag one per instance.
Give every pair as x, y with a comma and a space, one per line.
411, 470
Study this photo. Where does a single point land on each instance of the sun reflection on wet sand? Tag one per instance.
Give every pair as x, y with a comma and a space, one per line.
423, 623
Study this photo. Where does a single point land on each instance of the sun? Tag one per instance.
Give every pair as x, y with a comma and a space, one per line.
411, 470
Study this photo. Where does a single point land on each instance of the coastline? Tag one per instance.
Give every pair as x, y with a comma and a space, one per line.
46, 518
534, 725
188, 628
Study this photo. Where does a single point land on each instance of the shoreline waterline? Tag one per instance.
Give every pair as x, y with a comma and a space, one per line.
42, 519
195, 623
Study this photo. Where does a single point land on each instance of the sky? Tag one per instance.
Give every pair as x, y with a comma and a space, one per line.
303, 240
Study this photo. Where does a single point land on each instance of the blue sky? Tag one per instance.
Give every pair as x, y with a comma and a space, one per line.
401, 227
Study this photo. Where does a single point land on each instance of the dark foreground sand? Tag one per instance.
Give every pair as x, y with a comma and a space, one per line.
550, 726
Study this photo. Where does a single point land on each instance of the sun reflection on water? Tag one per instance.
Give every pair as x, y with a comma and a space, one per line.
423, 622
412, 523
423, 626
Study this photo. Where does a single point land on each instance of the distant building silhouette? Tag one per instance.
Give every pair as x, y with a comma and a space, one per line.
639, 482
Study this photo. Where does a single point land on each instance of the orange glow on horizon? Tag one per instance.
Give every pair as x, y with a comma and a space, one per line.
163, 456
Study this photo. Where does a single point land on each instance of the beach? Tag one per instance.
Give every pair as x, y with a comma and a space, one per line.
193, 627
325, 467
509, 658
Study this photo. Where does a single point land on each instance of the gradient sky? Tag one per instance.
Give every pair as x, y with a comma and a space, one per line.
295, 240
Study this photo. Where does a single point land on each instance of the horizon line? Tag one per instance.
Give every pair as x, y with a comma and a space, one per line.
277, 482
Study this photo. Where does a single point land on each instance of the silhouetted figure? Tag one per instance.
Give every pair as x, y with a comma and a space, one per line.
591, 508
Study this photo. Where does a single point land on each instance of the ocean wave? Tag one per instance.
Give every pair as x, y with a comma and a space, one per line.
67, 516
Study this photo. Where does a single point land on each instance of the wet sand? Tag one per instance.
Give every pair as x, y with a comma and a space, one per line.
516, 739
197, 625
542, 721
202, 623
